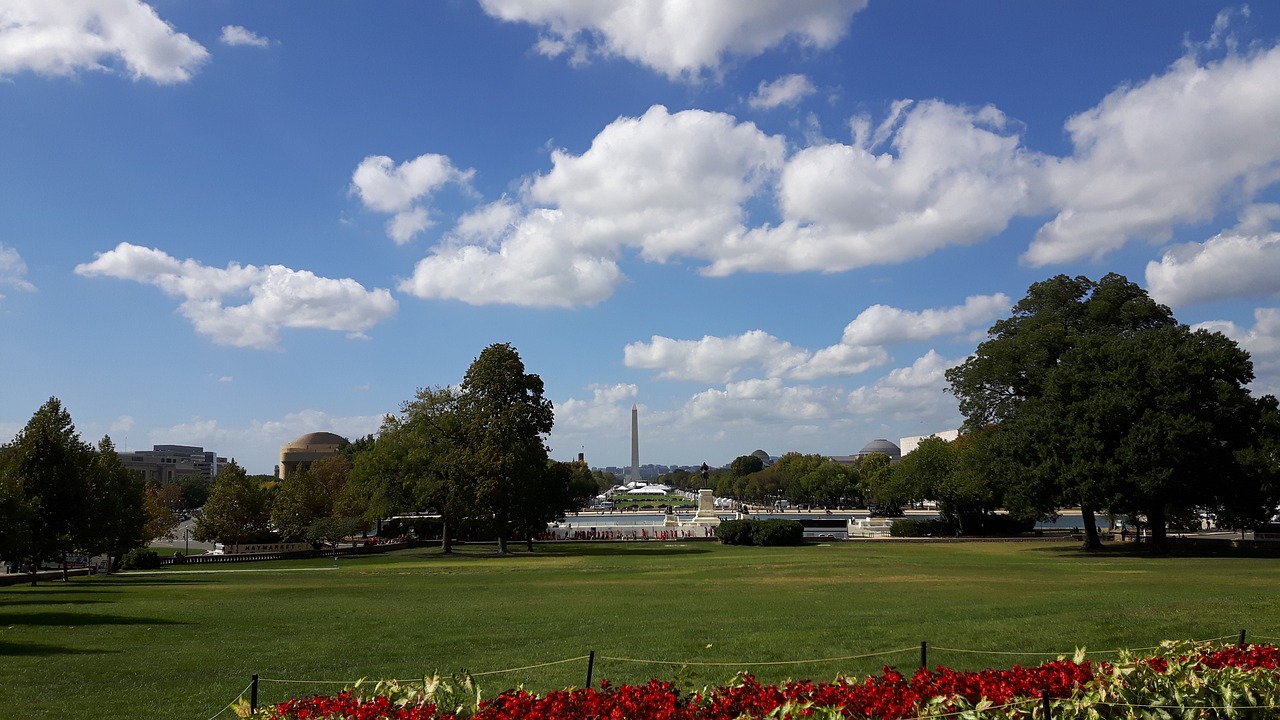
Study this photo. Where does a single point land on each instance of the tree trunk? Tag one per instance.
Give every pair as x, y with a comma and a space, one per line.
1091, 539
502, 544
35, 568
530, 542
446, 545
1159, 538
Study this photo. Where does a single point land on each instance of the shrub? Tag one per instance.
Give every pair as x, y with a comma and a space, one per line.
911, 527
760, 532
140, 559
770, 533
734, 532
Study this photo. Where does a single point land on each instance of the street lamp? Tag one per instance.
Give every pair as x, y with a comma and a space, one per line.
187, 534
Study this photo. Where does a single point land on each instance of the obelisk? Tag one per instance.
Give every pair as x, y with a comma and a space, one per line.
635, 444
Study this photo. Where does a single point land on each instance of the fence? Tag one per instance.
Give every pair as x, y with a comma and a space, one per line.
252, 689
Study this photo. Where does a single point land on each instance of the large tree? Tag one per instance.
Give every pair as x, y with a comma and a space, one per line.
504, 419
45, 472
1090, 390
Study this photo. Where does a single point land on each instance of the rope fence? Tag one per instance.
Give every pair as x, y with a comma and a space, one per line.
591, 657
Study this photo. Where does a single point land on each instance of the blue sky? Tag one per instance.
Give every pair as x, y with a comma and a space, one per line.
768, 224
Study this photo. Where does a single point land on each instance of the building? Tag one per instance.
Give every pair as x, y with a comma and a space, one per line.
911, 443
300, 453
171, 463
879, 445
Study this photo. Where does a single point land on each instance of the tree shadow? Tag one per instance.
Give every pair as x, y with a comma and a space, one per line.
469, 551
1177, 548
74, 619
12, 649
51, 601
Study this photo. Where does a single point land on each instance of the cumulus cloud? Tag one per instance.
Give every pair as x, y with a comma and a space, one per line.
606, 411
399, 190
62, 37
882, 324
1262, 341
277, 297
676, 38
721, 359
713, 359
914, 392
786, 90
236, 35
955, 176
664, 183
1225, 266
13, 271
761, 401
1173, 149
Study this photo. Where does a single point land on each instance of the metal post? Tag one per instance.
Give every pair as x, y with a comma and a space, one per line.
1241, 643
253, 694
924, 654
1044, 700
591, 663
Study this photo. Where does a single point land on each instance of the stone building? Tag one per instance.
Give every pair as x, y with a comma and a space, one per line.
307, 449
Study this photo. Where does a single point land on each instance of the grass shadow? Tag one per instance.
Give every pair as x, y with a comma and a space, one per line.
73, 619
11, 649
1177, 548
34, 601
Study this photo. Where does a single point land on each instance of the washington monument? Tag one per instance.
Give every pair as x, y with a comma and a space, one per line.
635, 444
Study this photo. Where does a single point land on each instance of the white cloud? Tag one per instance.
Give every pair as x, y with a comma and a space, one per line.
1262, 341
278, 297
914, 392
839, 360
386, 187
120, 425
786, 90
1173, 149
61, 37
761, 401
236, 35
677, 38
713, 359
666, 184
606, 412
882, 324
13, 271
956, 177
1224, 266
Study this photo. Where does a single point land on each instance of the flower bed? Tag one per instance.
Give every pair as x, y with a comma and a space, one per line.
1180, 680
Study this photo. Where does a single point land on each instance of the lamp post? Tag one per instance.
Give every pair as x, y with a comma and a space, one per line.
186, 532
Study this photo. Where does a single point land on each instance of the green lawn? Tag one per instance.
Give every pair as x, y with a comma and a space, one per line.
183, 642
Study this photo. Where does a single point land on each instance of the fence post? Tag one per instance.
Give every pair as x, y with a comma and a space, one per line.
591, 663
253, 694
1241, 643
924, 654
1044, 703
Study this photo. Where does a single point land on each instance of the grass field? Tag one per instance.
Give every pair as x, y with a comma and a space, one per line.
183, 642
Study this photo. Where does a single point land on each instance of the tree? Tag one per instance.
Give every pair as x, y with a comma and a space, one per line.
157, 508
504, 418
744, 465
1168, 412
46, 468
195, 492
238, 510
1094, 395
116, 515
308, 495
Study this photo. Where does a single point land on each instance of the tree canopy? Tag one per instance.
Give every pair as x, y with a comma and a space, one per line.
1092, 394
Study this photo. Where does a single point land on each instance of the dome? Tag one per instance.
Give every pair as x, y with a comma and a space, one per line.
764, 456
318, 438
880, 445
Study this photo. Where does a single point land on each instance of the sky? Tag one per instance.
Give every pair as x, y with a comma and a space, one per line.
768, 225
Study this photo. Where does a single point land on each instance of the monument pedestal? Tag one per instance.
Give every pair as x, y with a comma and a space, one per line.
706, 514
